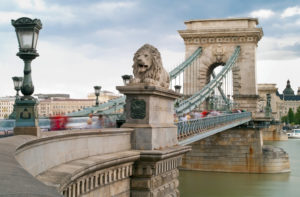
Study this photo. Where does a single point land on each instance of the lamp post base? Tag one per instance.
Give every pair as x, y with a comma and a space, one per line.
26, 117
35, 131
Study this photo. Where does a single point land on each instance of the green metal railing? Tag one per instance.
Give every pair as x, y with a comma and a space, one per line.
109, 106
191, 131
196, 99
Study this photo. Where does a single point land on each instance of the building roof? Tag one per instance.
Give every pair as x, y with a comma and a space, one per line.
288, 97
288, 91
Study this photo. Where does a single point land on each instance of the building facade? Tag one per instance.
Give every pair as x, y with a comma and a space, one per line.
55, 104
6, 106
104, 96
280, 103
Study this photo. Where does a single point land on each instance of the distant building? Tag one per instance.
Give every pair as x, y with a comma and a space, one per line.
6, 106
54, 106
280, 103
49, 96
49, 105
104, 96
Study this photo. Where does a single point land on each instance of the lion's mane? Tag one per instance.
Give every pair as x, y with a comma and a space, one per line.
156, 70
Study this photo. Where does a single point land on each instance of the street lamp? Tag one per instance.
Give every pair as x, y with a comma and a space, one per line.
97, 93
17, 84
27, 31
126, 79
177, 88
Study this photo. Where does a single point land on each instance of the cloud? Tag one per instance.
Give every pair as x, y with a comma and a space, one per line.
284, 47
31, 4
109, 9
278, 72
49, 12
5, 17
291, 11
112, 6
262, 14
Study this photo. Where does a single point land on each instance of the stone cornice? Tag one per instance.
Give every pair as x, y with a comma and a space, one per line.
223, 19
211, 36
145, 89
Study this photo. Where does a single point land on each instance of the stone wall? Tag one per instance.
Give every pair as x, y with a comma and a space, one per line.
236, 150
60, 147
274, 133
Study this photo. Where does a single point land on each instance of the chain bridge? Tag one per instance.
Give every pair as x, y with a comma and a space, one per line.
143, 157
192, 99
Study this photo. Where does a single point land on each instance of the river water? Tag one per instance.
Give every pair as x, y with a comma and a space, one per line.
210, 184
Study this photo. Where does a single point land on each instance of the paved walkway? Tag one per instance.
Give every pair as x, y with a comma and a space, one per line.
14, 179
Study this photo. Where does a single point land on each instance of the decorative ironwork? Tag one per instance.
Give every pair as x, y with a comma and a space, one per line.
27, 21
189, 104
176, 71
208, 126
138, 109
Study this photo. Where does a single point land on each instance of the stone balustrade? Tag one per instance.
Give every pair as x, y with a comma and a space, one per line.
72, 163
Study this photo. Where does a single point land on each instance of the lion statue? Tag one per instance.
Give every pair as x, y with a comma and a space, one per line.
147, 67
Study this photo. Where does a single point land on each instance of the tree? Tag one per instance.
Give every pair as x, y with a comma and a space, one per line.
284, 119
291, 116
297, 116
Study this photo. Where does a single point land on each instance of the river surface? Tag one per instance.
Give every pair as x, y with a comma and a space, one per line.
210, 184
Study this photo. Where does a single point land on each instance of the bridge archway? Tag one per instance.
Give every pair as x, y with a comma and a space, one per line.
218, 39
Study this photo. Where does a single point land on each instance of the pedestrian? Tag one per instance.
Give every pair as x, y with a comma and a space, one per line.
100, 122
89, 121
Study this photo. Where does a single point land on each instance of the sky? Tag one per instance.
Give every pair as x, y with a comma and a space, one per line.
84, 43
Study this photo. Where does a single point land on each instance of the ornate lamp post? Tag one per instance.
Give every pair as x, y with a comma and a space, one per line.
177, 88
126, 79
27, 31
17, 85
228, 102
97, 93
268, 109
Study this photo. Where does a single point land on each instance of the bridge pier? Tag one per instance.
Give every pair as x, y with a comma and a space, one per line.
274, 133
236, 150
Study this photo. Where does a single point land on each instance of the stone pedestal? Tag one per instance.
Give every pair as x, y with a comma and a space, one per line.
26, 117
149, 110
156, 173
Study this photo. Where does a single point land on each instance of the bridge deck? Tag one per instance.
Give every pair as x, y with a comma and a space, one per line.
194, 130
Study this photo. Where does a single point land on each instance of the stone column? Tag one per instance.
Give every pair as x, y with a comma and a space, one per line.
149, 110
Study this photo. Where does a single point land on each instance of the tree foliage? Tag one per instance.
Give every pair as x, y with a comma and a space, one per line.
284, 119
297, 116
291, 116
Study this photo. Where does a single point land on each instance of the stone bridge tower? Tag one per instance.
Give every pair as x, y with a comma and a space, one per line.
218, 39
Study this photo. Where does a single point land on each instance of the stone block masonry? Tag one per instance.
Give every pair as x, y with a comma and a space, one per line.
236, 150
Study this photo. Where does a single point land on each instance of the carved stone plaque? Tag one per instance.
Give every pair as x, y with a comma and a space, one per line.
138, 109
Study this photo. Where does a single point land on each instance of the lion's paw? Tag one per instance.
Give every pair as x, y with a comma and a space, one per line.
135, 80
151, 81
